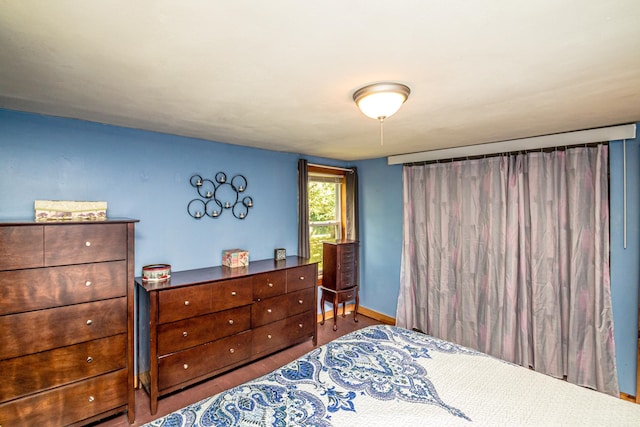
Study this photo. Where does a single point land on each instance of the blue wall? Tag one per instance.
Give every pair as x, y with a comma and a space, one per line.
625, 263
381, 234
145, 175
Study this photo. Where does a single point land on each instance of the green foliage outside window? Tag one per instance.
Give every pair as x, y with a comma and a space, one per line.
324, 216
322, 201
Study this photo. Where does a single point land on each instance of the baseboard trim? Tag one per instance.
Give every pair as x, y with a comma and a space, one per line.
383, 318
628, 397
388, 320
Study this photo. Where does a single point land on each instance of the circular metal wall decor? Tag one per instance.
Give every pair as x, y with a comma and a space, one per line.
218, 195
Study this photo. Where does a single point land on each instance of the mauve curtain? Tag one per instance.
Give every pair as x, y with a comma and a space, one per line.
510, 255
303, 209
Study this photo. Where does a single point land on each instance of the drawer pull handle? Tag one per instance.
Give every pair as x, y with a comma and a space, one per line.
186, 303
233, 293
87, 283
185, 366
271, 285
301, 277
91, 398
300, 301
89, 359
87, 244
184, 334
268, 310
231, 350
300, 325
269, 336
231, 321
89, 322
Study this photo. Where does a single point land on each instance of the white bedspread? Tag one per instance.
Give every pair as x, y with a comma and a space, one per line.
389, 376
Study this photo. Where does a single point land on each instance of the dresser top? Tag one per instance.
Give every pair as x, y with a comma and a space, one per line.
26, 221
212, 274
340, 242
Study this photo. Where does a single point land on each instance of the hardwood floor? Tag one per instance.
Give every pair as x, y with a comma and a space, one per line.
223, 382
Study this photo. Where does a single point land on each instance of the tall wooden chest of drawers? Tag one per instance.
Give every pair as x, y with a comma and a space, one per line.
339, 277
203, 322
340, 264
66, 321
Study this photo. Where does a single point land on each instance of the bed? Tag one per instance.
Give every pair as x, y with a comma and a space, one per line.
385, 376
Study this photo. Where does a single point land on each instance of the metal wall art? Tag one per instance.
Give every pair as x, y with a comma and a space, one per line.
219, 194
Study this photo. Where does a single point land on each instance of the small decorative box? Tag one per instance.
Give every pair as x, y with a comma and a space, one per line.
235, 258
156, 272
279, 254
68, 210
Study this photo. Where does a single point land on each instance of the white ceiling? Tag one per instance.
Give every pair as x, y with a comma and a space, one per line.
280, 75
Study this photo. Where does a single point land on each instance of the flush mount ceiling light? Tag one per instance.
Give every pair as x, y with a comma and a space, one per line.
381, 100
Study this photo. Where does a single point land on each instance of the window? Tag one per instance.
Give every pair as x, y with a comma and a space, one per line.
326, 193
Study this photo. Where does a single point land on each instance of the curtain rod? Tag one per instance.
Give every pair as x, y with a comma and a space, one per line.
331, 167
611, 133
531, 150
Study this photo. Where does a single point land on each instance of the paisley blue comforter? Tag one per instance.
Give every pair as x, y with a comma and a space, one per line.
385, 375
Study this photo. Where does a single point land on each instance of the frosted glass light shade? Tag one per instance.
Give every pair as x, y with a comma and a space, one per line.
381, 100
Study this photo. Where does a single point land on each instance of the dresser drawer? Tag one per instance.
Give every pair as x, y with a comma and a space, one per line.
268, 310
347, 277
231, 293
190, 301
35, 289
300, 326
345, 295
47, 369
270, 337
347, 252
68, 404
301, 277
21, 247
187, 333
348, 263
197, 361
41, 330
300, 301
76, 244
271, 284
182, 303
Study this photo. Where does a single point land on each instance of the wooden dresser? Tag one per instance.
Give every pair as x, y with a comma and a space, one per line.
66, 320
203, 322
339, 276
